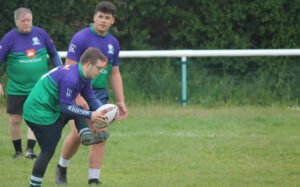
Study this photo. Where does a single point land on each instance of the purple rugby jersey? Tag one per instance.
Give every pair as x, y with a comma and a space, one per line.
107, 44
70, 83
60, 85
26, 56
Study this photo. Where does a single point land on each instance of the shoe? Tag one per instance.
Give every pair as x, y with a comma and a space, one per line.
60, 175
94, 138
94, 182
30, 154
18, 155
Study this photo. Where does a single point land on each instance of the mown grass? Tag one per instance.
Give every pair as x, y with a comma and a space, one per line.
176, 146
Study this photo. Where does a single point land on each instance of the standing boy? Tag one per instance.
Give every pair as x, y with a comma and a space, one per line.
97, 36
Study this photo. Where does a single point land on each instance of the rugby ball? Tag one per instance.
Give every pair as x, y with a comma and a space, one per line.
111, 113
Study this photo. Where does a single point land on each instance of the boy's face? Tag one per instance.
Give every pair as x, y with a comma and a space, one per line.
94, 70
102, 22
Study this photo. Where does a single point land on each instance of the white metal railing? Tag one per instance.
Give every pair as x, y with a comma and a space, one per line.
205, 53
183, 54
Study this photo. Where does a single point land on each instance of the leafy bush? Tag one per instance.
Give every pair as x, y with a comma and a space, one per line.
190, 24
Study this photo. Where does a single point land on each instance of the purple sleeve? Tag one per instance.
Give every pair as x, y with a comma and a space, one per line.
76, 48
74, 110
49, 43
87, 90
67, 92
88, 94
4, 47
116, 61
55, 58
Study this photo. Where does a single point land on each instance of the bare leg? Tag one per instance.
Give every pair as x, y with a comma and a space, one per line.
71, 143
96, 157
30, 134
15, 128
69, 148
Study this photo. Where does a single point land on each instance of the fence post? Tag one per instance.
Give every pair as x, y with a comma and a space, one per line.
183, 70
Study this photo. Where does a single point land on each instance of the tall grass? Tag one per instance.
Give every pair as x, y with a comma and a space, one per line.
177, 146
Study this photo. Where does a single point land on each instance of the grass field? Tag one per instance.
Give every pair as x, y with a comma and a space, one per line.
176, 146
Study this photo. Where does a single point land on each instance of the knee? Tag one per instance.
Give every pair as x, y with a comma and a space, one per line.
100, 147
75, 137
15, 120
48, 155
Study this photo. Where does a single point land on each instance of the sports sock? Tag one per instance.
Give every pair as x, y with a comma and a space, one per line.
84, 131
30, 144
35, 180
18, 145
63, 162
82, 127
94, 173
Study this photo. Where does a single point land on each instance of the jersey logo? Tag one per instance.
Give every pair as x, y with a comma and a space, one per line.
72, 48
35, 41
105, 65
104, 71
30, 53
69, 92
110, 49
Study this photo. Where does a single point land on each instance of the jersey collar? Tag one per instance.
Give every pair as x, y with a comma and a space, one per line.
25, 33
93, 30
81, 72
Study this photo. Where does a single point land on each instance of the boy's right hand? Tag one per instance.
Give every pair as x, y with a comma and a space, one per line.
98, 117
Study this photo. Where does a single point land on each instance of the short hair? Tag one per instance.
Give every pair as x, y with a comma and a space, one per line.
106, 7
21, 11
92, 55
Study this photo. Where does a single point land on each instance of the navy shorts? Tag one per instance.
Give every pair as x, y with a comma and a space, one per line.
14, 104
48, 136
102, 95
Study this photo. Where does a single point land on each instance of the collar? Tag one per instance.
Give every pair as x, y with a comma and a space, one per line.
24, 33
80, 71
93, 30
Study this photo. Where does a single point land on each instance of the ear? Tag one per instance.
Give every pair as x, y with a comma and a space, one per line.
94, 18
113, 20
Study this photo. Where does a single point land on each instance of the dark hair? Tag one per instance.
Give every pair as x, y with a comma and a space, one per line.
21, 11
106, 7
92, 55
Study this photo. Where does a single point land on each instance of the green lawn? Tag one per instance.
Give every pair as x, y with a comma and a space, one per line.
176, 146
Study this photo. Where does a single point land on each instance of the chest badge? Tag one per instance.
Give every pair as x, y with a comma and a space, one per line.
110, 49
35, 41
30, 53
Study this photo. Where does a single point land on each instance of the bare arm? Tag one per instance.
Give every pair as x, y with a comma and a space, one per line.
1, 90
117, 85
69, 61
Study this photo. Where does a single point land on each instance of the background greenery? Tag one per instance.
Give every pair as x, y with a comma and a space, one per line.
171, 146
190, 24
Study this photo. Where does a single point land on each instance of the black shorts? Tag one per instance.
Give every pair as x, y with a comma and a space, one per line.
48, 136
14, 104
